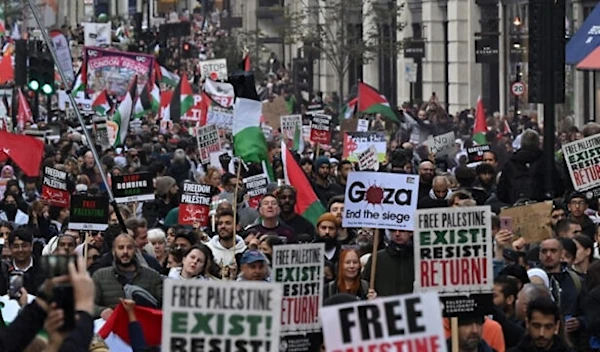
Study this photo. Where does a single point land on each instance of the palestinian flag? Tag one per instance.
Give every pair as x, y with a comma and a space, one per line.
349, 109
165, 76
155, 98
7, 70
118, 324
249, 142
124, 113
480, 128
307, 204
298, 139
102, 104
78, 84
370, 101
143, 103
182, 100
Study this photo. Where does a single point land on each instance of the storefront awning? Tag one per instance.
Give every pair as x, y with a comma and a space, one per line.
591, 62
585, 40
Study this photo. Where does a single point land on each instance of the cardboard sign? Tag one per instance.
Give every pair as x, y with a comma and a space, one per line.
195, 204
530, 221
399, 323
319, 129
208, 142
380, 200
367, 160
362, 125
88, 213
442, 145
256, 188
453, 256
54, 188
582, 158
355, 143
211, 315
273, 110
299, 267
475, 154
213, 69
133, 188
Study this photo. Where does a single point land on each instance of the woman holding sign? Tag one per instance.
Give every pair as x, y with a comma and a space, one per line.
348, 278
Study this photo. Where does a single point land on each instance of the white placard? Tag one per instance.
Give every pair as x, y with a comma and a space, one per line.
362, 125
442, 145
214, 69
582, 158
380, 200
367, 160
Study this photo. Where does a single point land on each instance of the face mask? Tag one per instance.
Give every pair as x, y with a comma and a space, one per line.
10, 208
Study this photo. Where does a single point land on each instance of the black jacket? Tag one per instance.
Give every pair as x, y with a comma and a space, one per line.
526, 346
23, 329
395, 274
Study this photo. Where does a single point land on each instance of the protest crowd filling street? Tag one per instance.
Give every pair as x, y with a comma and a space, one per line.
225, 212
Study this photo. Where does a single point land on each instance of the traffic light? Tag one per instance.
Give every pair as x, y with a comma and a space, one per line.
302, 75
41, 72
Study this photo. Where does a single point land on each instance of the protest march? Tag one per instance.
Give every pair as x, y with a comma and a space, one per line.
224, 176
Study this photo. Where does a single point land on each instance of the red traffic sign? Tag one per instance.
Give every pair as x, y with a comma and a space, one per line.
517, 88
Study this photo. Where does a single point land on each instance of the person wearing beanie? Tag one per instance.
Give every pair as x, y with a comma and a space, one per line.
323, 187
327, 232
167, 198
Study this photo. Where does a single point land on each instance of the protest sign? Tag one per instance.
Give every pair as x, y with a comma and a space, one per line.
380, 200
220, 117
267, 131
367, 160
256, 188
54, 188
208, 142
442, 145
319, 129
88, 213
133, 188
213, 69
399, 323
300, 269
211, 315
475, 154
453, 256
223, 161
362, 125
356, 143
96, 34
583, 161
195, 204
530, 221
291, 129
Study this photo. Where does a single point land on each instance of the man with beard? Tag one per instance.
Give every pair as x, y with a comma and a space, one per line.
336, 207
286, 195
470, 338
426, 174
109, 281
223, 246
543, 326
327, 232
399, 254
324, 188
344, 168
486, 178
438, 195
269, 223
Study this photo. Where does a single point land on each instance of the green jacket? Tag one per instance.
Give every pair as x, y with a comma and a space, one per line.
110, 281
395, 273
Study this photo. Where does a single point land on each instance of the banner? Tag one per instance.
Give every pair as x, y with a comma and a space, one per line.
211, 315
96, 34
213, 69
400, 323
367, 160
442, 145
453, 256
583, 161
319, 129
114, 70
54, 188
63, 54
356, 143
299, 267
88, 213
256, 188
133, 188
195, 204
221, 93
208, 142
475, 154
380, 200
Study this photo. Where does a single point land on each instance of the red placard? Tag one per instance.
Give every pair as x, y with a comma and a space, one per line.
189, 214
56, 197
319, 129
195, 204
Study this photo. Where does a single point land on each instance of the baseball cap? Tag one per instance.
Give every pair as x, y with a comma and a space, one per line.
252, 256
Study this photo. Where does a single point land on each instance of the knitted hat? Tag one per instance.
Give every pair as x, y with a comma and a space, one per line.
163, 184
321, 161
328, 217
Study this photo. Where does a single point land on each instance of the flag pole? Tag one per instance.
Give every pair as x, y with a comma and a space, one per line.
63, 78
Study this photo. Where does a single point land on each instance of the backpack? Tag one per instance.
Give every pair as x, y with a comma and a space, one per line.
522, 181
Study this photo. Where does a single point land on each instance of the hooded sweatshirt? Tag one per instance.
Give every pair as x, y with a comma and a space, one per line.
226, 256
